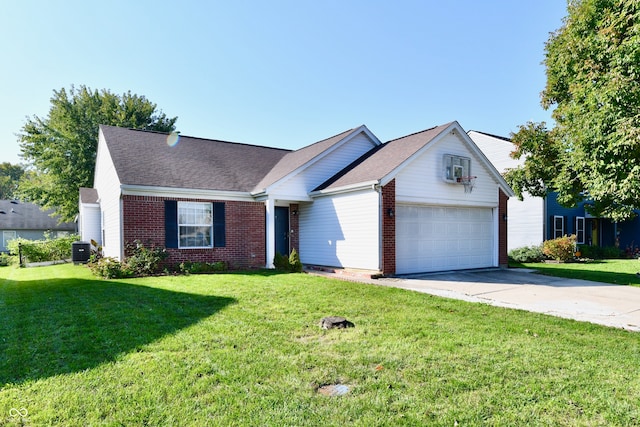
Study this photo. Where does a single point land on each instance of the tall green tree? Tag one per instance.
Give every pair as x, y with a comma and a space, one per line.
593, 87
9, 177
61, 148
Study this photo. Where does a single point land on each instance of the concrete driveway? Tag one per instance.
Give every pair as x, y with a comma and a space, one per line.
601, 303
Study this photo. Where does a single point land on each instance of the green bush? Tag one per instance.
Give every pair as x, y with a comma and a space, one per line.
6, 259
109, 268
561, 248
290, 264
49, 249
142, 260
295, 266
597, 252
189, 267
527, 254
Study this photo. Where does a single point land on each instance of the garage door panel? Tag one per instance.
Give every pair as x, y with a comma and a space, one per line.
436, 238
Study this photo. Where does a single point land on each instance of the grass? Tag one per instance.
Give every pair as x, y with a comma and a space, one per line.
617, 271
246, 349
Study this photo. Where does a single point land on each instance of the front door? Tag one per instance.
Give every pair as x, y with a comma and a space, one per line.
282, 230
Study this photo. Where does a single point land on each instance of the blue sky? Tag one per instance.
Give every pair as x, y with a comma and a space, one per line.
284, 73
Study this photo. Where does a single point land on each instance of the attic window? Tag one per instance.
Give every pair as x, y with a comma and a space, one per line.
455, 167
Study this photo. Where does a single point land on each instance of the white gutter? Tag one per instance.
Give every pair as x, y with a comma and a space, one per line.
144, 190
346, 189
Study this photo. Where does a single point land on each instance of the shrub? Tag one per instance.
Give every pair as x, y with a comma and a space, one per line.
202, 267
142, 260
527, 254
281, 262
49, 249
290, 264
109, 268
561, 248
597, 252
6, 259
295, 266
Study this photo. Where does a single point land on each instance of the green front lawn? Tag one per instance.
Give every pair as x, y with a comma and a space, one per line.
618, 271
246, 349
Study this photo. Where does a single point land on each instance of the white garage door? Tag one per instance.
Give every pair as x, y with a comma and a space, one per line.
437, 238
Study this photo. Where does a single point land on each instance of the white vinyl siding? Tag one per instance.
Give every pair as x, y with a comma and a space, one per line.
90, 224
423, 180
298, 186
439, 238
341, 231
107, 184
525, 217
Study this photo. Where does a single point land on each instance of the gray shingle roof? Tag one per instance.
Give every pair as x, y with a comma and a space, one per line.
88, 195
145, 158
27, 216
295, 159
382, 160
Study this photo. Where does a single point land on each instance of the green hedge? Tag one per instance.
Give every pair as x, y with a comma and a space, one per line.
49, 249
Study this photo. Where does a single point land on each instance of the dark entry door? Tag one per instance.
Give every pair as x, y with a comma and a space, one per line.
282, 230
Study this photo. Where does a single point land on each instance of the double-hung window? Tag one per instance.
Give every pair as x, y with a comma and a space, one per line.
195, 225
580, 230
558, 226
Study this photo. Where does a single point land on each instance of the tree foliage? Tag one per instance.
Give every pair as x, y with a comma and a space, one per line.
61, 148
593, 86
9, 177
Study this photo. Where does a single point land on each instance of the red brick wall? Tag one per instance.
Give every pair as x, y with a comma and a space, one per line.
503, 259
294, 236
389, 228
143, 219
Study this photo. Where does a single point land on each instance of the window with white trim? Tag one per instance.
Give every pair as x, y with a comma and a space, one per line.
195, 225
456, 167
558, 226
8, 236
580, 230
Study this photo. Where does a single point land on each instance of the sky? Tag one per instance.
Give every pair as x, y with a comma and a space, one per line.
284, 73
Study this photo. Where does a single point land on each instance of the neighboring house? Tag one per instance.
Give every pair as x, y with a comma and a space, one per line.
536, 219
26, 220
526, 217
348, 202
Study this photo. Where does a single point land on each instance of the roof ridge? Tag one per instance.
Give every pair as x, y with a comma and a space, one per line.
504, 138
326, 139
200, 138
420, 131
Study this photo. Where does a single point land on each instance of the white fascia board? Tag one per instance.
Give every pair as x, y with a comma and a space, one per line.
506, 188
362, 129
346, 189
186, 193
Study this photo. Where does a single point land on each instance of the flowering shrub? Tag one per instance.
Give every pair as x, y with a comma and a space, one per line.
561, 248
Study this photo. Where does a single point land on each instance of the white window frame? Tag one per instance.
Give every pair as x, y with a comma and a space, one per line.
192, 216
455, 167
580, 230
6, 240
555, 228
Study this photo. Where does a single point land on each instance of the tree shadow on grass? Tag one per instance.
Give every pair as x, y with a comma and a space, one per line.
68, 325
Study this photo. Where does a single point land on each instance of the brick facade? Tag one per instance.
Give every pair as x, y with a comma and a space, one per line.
389, 228
294, 235
143, 219
503, 260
